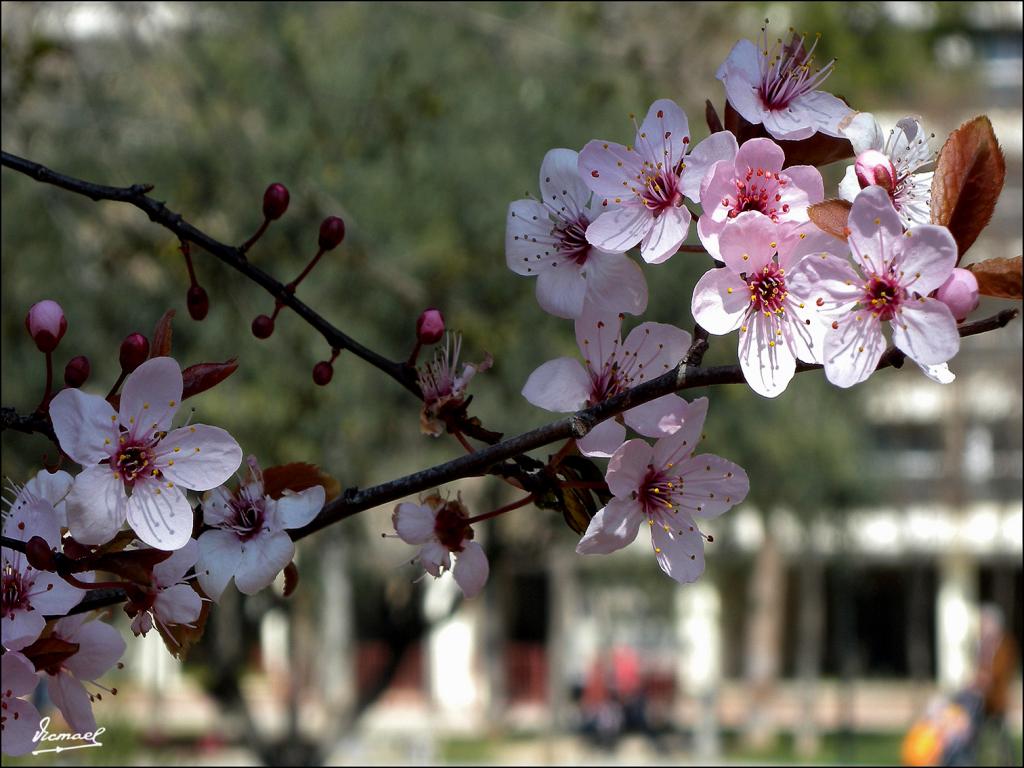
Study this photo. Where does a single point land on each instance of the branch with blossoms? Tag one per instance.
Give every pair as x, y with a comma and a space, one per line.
807, 283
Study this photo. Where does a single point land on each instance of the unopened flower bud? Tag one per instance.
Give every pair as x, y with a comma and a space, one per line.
874, 168
332, 232
46, 324
76, 372
322, 373
198, 302
275, 201
959, 293
263, 327
430, 326
39, 554
134, 351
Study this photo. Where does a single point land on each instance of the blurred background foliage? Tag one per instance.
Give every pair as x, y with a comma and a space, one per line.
417, 123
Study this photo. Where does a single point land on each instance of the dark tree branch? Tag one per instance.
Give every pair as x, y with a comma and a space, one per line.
231, 255
29, 423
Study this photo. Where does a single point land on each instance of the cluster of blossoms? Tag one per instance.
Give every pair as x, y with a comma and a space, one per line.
65, 529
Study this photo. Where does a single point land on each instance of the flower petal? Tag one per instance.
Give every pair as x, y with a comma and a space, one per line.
414, 523
220, 552
875, 228
711, 485
746, 243
100, 646
603, 440
560, 184
217, 506
198, 457
926, 331
684, 441
628, 467
652, 349
620, 229
295, 510
55, 596
561, 290
179, 604
82, 423
615, 283
434, 557
173, 569
50, 486
263, 557
679, 549
853, 350
19, 676
529, 244
160, 514
608, 168
864, 133
718, 147
20, 628
71, 698
97, 505
766, 358
471, 569
824, 112
665, 236
664, 134
151, 396
661, 416
720, 301
927, 255
614, 526
559, 385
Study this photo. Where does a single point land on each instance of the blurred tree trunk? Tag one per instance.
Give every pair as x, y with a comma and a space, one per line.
766, 607
811, 628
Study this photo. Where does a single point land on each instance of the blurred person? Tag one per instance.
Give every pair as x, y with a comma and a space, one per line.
628, 688
602, 711
995, 665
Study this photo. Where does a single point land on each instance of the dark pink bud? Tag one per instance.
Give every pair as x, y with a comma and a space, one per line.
874, 168
76, 372
39, 554
262, 327
134, 351
198, 302
46, 324
332, 232
275, 201
430, 326
322, 373
959, 293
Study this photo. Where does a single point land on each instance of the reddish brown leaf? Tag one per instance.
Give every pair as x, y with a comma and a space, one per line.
180, 638
291, 579
999, 277
831, 216
49, 652
711, 115
161, 344
297, 476
203, 376
969, 176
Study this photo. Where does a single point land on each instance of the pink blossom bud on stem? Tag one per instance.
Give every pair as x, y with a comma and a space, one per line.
430, 326
262, 327
959, 293
332, 232
874, 168
76, 372
46, 324
39, 554
275, 201
134, 351
198, 302
322, 373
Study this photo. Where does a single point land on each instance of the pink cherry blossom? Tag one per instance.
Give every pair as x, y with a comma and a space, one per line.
19, 719
641, 187
895, 272
775, 85
754, 180
760, 292
444, 386
248, 540
46, 324
892, 162
610, 366
547, 238
52, 487
28, 594
669, 487
169, 599
99, 648
441, 528
135, 469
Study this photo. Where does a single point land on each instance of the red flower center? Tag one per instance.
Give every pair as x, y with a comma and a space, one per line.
450, 526
883, 295
768, 289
